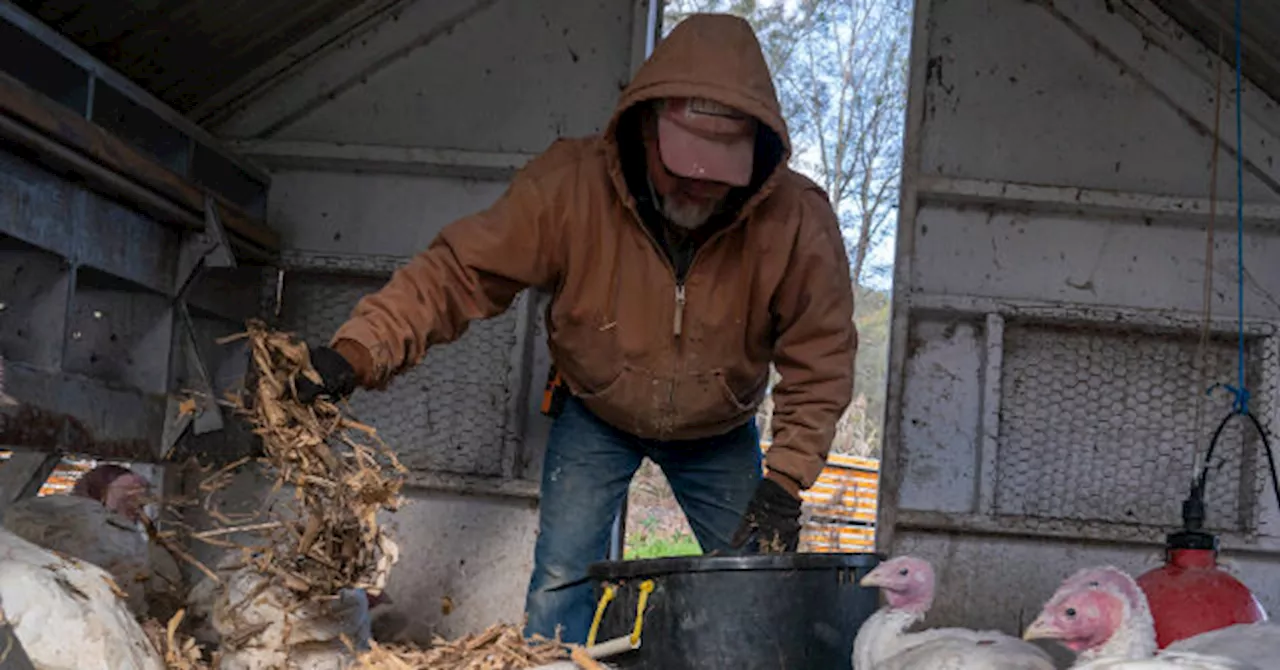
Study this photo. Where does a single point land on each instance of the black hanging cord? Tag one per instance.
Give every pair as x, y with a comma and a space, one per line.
1198, 489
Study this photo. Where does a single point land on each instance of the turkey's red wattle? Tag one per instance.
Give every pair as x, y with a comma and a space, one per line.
1190, 595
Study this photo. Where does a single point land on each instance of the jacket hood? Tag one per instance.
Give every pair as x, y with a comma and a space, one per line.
714, 56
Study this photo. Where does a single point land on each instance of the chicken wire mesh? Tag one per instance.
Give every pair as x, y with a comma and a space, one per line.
448, 414
1099, 424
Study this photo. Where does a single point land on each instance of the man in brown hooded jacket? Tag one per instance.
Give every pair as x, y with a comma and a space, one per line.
683, 257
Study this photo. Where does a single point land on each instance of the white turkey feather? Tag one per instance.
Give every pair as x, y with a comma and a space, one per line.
274, 630
959, 649
1170, 661
66, 614
85, 529
882, 643
1257, 644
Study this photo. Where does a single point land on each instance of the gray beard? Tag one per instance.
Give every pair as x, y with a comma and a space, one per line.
687, 216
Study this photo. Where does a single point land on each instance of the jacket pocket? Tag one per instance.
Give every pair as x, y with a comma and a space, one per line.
634, 402
729, 395
606, 388
585, 352
705, 400
744, 400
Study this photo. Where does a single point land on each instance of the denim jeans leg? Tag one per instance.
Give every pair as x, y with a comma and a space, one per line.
585, 475
713, 480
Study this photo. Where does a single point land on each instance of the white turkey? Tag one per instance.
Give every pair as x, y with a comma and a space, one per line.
1102, 614
1138, 638
259, 625
882, 643
98, 523
66, 613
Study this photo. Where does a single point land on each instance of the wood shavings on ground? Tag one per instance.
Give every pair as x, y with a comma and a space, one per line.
501, 647
328, 538
341, 473
180, 651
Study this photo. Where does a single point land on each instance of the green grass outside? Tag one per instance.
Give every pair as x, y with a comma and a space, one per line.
644, 545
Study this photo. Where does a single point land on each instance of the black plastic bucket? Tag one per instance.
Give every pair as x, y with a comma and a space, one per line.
764, 612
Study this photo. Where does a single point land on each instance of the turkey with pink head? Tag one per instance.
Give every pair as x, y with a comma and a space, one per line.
1102, 615
100, 523
1138, 638
882, 643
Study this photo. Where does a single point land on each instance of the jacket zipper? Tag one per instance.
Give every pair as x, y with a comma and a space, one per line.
678, 326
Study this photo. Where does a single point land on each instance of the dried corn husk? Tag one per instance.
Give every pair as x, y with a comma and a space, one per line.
340, 471
180, 651
501, 647
326, 538
342, 475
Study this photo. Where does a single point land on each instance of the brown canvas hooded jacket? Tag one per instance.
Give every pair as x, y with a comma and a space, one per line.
650, 353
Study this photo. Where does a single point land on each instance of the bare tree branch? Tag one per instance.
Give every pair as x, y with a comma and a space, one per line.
840, 68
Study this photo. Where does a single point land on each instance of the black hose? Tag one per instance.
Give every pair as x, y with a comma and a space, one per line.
1199, 488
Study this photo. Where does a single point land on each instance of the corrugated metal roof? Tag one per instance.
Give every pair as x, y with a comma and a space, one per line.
1210, 20
184, 51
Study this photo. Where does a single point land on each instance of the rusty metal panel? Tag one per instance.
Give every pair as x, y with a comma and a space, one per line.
34, 286
36, 206
140, 127
87, 319
72, 413
41, 58
118, 333
118, 241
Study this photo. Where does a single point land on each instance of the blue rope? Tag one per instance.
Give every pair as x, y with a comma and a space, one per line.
1240, 392
1242, 395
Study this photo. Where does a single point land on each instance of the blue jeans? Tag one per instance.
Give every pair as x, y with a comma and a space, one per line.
588, 467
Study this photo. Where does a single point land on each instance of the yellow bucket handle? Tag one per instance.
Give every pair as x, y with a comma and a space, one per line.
646, 587
611, 592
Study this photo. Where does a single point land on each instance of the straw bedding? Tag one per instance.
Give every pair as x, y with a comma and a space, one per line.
340, 475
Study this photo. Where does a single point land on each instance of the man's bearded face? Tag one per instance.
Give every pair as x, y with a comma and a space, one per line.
686, 202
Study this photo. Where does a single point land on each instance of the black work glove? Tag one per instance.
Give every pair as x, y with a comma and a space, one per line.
337, 377
771, 524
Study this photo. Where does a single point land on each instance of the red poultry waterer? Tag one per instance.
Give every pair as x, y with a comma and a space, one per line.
1190, 594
